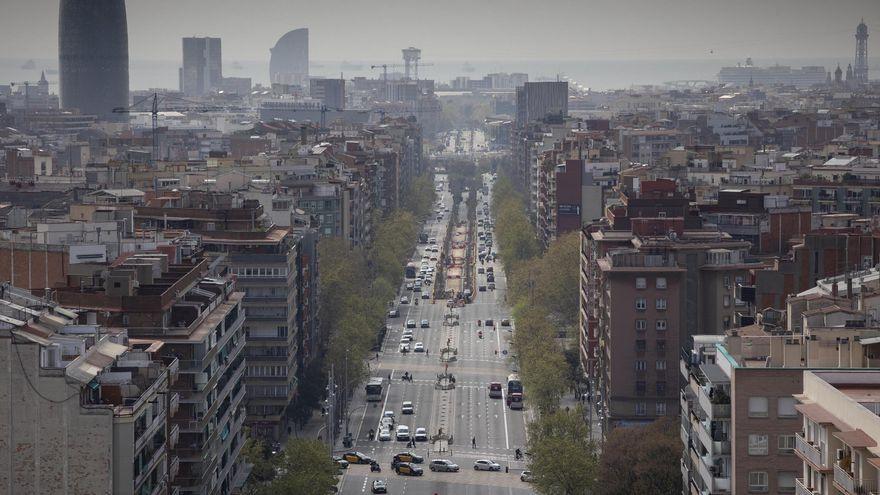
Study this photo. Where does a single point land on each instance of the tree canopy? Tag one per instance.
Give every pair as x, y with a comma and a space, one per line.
642, 459
562, 457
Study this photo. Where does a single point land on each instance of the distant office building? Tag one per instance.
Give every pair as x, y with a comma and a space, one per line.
751, 75
538, 100
860, 69
331, 92
289, 62
93, 56
202, 69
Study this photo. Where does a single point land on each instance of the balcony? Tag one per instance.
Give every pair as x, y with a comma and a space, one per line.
173, 435
174, 467
716, 406
810, 453
174, 403
845, 482
801, 488
711, 477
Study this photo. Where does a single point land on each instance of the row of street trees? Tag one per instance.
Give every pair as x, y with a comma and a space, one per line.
543, 288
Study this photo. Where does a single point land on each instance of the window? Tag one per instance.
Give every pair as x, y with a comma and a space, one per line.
660, 304
640, 365
758, 445
726, 300
785, 407
641, 324
726, 281
785, 480
641, 303
660, 409
661, 388
661, 346
641, 387
758, 407
757, 481
660, 325
281, 331
641, 283
640, 345
661, 364
785, 443
641, 409
661, 282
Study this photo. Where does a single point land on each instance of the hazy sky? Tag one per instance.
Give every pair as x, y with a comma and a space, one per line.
474, 29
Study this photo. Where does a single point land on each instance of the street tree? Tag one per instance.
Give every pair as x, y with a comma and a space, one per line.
563, 434
641, 459
303, 467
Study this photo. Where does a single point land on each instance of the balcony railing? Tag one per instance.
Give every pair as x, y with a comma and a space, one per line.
852, 486
810, 452
801, 488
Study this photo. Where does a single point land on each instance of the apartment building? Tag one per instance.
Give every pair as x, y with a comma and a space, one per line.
838, 442
649, 145
197, 318
84, 410
739, 420
538, 100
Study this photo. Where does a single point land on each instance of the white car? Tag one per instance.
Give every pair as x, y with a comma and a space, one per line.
406, 338
486, 465
403, 433
404, 347
410, 323
384, 435
419, 347
404, 300
407, 407
421, 435
386, 423
424, 324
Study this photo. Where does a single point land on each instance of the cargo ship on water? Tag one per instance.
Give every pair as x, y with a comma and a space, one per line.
750, 74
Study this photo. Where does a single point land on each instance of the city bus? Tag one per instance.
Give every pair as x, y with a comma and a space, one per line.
374, 389
514, 386
411, 270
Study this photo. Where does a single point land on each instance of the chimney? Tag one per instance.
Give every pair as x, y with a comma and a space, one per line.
834, 290
849, 287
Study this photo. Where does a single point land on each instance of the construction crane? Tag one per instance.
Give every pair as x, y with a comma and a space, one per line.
157, 98
27, 86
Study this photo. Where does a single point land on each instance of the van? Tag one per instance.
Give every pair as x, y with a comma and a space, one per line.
515, 401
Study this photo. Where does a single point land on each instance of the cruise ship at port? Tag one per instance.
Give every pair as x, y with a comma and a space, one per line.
744, 75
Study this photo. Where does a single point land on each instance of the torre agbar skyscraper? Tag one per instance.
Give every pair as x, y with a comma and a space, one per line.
93, 56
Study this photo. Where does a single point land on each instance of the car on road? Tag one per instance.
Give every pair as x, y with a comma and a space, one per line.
407, 407
410, 323
425, 295
356, 457
480, 270
515, 400
443, 465
409, 286
486, 465
342, 463
527, 477
385, 435
386, 422
421, 435
379, 486
419, 347
490, 269
491, 285
402, 433
417, 288
404, 300
505, 322
495, 391
482, 288
408, 457
490, 277
404, 347
407, 469
489, 323
393, 313
433, 240
425, 324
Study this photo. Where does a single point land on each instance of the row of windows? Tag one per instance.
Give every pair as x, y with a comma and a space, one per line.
641, 345
659, 325
759, 444
641, 387
260, 370
642, 282
258, 272
642, 409
642, 304
759, 407
267, 390
641, 365
759, 481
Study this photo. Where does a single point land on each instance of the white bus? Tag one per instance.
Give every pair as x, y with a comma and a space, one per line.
374, 389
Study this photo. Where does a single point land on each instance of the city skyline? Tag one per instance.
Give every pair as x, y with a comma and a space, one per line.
781, 30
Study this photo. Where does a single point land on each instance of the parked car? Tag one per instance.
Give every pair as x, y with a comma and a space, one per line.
505, 322
393, 313
527, 477
404, 300
342, 463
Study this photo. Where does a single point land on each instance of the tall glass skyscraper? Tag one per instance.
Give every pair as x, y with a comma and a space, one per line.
93, 56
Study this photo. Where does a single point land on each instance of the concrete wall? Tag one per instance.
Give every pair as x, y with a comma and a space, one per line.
48, 443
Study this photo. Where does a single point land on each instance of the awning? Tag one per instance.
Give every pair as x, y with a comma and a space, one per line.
816, 413
855, 438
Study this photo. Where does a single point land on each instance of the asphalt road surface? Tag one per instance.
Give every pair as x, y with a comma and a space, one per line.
480, 427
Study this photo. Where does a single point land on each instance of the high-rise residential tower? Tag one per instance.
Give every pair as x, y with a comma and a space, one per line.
289, 62
860, 69
202, 69
93, 56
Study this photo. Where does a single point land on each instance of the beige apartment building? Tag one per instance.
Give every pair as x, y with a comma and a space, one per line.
838, 443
